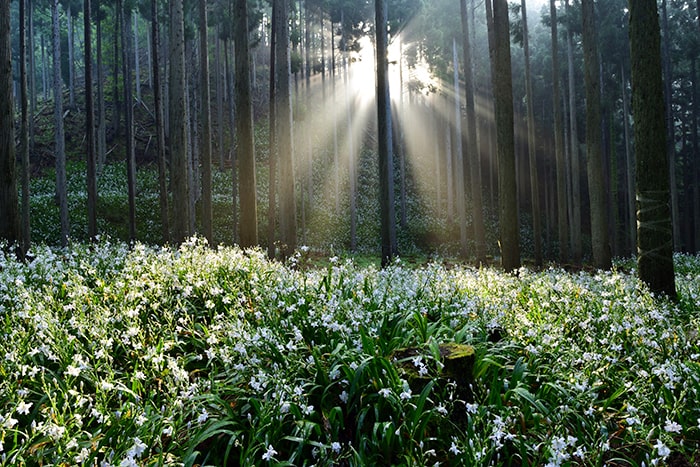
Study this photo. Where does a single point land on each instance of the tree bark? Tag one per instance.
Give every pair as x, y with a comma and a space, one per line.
24, 127
563, 224
90, 125
129, 115
654, 228
205, 116
244, 130
670, 131
594, 142
9, 202
386, 167
160, 125
531, 145
458, 172
178, 134
576, 244
629, 159
503, 94
59, 136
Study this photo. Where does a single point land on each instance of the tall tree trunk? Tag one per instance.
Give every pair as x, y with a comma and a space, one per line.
205, 124
160, 126
576, 244
558, 143
71, 57
116, 105
101, 114
137, 60
272, 194
219, 102
90, 125
696, 152
531, 145
244, 130
129, 115
9, 202
503, 94
352, 157
386, 167
594, 143
458, 172
629, 159
670, 131
654, 227
24, 126
178, 132
59, 137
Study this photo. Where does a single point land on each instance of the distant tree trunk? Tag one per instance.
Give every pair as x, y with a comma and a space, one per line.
160, 126
386, 168
594, 142
244, 130
696, 165
654, 227
137, 60
576, 246
71, 57
670, 131
272, 197
219, 101
178, 132
458, 172
101, 115
59, 138
24, 127
129, 115
90, 126
531, 145
558, 143
629, 158
116, 113
206, 124
9, 202
503, 94
352, 157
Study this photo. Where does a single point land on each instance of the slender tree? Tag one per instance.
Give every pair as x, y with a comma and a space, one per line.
576, 244
205, 115
178, 135
90, 124
160, 126
125, 13
503, 94
386, 169
654, 227
563, 225
594, 141
531, 144
272, 194
9, 202
24, 126
59, 136
244, 130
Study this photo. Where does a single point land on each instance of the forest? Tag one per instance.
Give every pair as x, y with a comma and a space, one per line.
349, 232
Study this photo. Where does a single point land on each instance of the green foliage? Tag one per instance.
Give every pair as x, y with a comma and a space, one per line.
199, 356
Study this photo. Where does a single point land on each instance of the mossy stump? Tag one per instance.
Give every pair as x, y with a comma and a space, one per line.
457, 364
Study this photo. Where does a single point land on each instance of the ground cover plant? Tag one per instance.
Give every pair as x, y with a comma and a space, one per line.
118, 356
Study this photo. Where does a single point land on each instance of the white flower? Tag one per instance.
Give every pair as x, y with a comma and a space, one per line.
335, 446
137, 449
73, 370
269, 454
454, 449
128, 462
472, 408
385, 392
344, 396
406, 394
672, 427
23, 407
203, 416
662, 449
